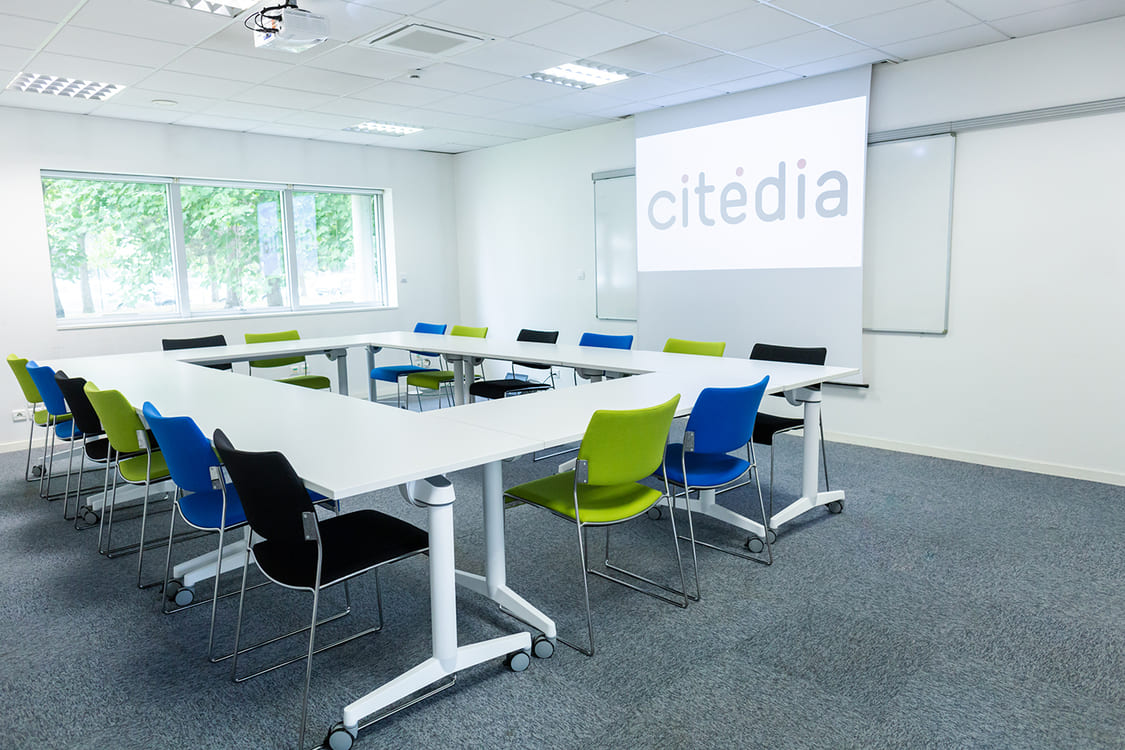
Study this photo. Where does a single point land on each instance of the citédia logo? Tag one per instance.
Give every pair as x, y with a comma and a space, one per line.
780, 190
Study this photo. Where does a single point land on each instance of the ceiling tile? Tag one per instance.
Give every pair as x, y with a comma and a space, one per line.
574, 122
691, 95
403, 94
654, 55
148, 19
469, 104
126, 112
843, 62
500, 18
756, 25
911, 22
715, 70
1062, 17
216, 122
936, 44
44, 10
511, 58
505, 129
644, 87
362, 111
288, 131
347, 21
276, 95
398, 6
244, 111
803, 48
135, 96
102, 45
456, 78
225, 65
989, 10
23, 33
317, 120
47, 63
585, 34
524, 91
832, 12
669, 15
368, 62
321, 81
588, 101
530, 114
12, 58
757, 82
13, 98
193, 85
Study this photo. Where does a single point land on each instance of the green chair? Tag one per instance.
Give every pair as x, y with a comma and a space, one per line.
37, 417
318, 382
686, 346
127, 435
433, 380
619, 449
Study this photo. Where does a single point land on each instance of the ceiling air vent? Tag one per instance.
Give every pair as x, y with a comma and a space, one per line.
419, 39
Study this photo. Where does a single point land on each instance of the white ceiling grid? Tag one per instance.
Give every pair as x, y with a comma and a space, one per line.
191, 68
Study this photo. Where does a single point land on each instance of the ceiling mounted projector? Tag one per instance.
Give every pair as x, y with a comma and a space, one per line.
287, 27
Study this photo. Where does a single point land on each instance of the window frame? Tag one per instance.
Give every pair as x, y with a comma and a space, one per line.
381, 246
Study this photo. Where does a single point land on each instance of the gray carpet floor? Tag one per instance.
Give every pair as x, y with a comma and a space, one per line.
949, 606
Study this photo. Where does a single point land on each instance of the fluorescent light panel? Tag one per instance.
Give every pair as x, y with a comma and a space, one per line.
581, 75
228, 8
384, 128
35, 83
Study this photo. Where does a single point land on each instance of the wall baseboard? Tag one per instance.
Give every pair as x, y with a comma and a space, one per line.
984, 459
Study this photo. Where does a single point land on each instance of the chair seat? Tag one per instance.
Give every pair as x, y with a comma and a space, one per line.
703, 469
431, 379
501, 388
767, 424
203, 509
67, 430
318, 382
42, 416
392, 373
352, 543
596, 504
98, 450
133, 469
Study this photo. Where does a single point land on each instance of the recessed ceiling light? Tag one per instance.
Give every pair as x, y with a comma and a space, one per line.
582, 75
34, 83
228, 8
384, 128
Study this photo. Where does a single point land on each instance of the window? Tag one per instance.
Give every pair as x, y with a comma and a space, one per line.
127, 248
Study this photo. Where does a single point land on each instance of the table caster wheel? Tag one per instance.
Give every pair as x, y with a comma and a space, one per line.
755, 544
771, 535
834, 507
518, 661
542, 647
89, 516
339, 737
36, 471
180, 594
654, 513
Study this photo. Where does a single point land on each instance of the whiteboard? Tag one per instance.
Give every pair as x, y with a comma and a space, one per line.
615, 244
907, 233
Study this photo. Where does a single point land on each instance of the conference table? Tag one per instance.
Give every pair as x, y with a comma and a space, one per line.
343, 447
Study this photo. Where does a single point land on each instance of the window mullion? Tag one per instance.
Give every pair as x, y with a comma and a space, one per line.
289, 241
179, 249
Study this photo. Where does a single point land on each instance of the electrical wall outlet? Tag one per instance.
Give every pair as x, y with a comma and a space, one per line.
19, 415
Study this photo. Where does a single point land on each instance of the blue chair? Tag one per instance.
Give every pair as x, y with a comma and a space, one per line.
60, 425
721, 422
392, 373
605, 341
201, 500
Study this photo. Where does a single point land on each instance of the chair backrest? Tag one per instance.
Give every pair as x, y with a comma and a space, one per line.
44, 378
799, 355
199, 342
187, 451
272, 494
470, 331
118, 417
722, 419
85, 418
438, 328
261, 338
539, 337
606, 341
624, 446
27, 385
686, 346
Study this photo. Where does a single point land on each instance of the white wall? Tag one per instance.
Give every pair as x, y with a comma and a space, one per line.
422, 194
1027, 375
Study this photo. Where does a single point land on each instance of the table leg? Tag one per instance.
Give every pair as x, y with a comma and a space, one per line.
494, 582
460, 390
203, 567
448, 658
372, 394
811, 497
340, 356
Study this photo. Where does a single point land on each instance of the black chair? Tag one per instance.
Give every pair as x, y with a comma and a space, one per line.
199, 342
515, 386
296, 549
95, 446
768, 426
